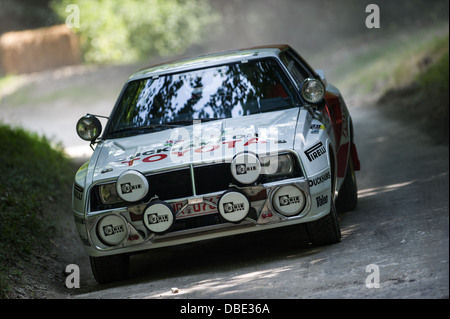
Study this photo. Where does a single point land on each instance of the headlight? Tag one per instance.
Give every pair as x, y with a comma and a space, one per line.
313, 90
108, 194
89, 128
277, 164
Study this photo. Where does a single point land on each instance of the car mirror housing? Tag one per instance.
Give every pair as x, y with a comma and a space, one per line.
89, 128
321, 73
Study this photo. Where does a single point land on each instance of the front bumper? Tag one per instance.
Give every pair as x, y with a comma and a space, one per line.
262, 215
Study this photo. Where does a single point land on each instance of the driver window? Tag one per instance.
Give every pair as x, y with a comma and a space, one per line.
294, 67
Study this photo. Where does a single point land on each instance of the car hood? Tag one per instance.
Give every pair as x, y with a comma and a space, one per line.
207, 142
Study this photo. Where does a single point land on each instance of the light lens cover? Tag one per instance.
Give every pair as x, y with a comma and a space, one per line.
245, 168
132, 186
233, 206
112, 230
289, 200
158, 217
277, 164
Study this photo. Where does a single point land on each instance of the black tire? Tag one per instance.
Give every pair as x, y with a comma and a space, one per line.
109, 269
348, 194
326, 230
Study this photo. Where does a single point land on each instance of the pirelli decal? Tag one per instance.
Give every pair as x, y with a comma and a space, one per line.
78, 192
315, 151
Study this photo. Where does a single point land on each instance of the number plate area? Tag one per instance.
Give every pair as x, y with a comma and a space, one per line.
196, 207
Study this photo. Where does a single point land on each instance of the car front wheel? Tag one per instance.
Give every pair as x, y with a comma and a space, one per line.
325, 230
107, 269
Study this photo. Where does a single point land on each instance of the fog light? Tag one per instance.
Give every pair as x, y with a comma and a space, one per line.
288, 200
158, 217
245, 168
89, 128
132, 186
112, 229
233, 206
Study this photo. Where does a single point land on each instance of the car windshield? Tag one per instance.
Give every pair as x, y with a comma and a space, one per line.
218, 92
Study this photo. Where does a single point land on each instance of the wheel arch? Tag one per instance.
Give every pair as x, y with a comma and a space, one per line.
333, 170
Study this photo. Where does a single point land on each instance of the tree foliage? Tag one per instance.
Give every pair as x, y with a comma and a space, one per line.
128, 30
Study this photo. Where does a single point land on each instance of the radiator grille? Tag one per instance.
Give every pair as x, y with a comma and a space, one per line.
177, 183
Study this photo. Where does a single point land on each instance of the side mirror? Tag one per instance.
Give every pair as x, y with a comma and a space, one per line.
321, 73
89, 128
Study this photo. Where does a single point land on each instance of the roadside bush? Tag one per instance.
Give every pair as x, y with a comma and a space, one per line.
32, 172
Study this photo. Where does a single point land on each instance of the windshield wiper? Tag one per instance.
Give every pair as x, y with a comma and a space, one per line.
141, 129
157, 127
193, 121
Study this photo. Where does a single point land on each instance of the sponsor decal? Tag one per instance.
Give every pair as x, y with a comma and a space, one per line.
315, 128
78, 192
128, 188
243, 169
321, 200
185, 150
158, 217
230, 207
109, 230
319, 180
155, 218
315, 151
285, 200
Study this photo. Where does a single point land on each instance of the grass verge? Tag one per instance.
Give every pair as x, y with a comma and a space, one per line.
32, 173
363, 67
406, 74
423, 99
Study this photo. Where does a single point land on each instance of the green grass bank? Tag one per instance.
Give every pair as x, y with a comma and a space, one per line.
33, 174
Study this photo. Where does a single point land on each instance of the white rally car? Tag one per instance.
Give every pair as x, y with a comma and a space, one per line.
214, 146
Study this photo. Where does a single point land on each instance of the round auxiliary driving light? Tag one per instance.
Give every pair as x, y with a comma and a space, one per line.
132, 186
233, 206
112, 229
89, 128
288, 200
158, 217
313, 90
245, 168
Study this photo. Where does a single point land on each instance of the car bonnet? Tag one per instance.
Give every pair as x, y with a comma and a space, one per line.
207, 142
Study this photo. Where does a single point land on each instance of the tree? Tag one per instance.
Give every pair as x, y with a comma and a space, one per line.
128, 30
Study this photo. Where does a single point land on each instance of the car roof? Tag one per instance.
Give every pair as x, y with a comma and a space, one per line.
209, 60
